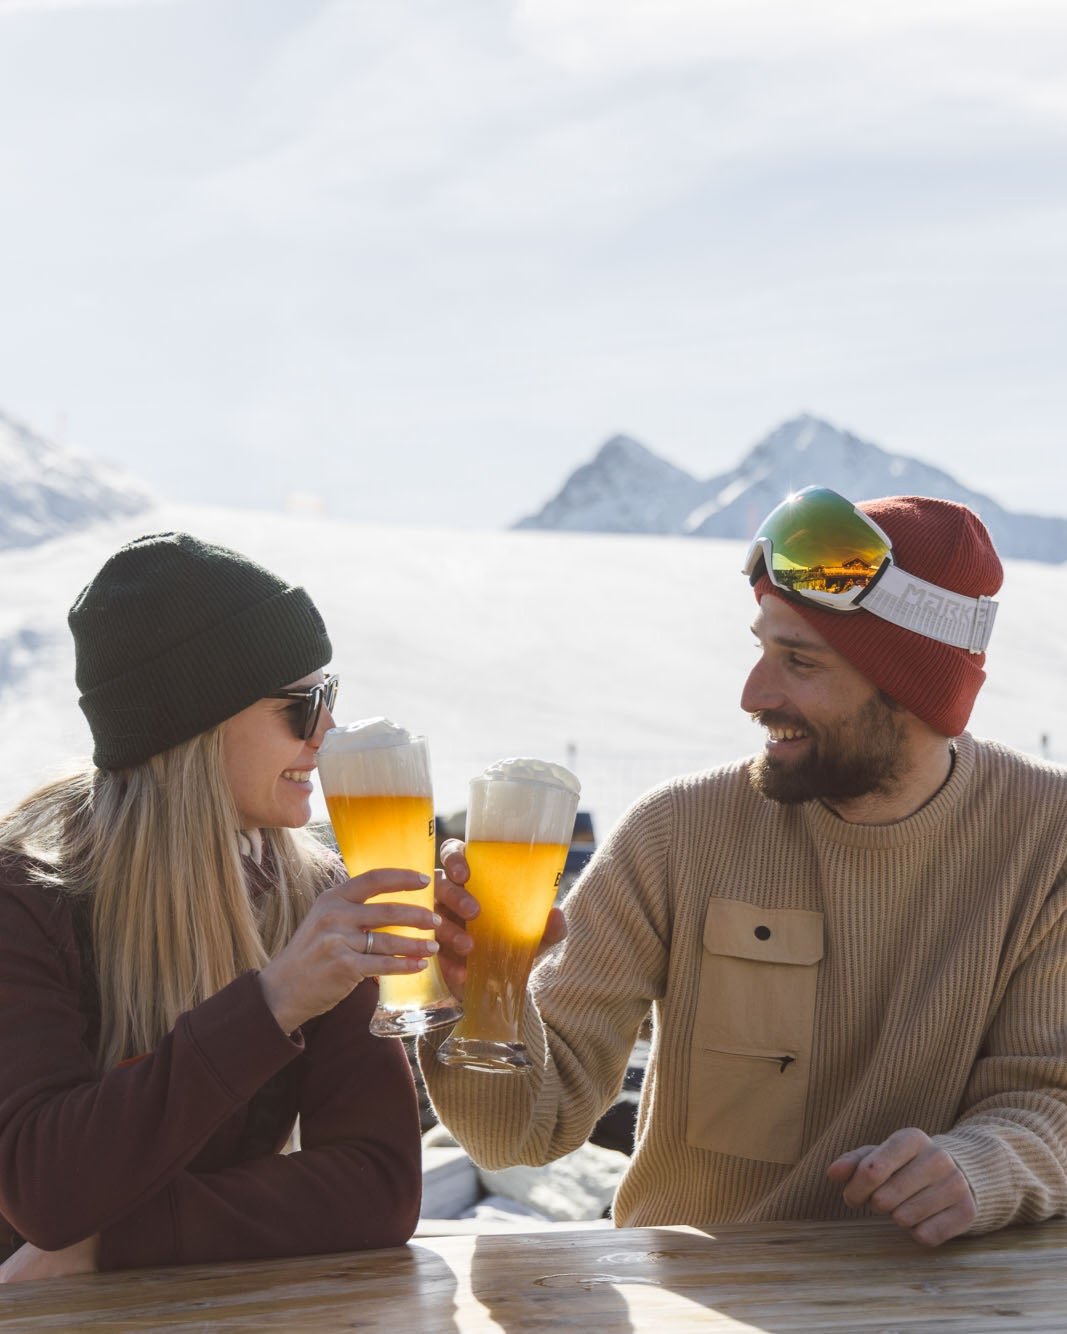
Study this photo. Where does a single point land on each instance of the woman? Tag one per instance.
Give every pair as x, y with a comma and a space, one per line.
181, 963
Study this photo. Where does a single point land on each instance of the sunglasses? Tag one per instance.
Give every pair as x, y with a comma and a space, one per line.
307, 701
817, 547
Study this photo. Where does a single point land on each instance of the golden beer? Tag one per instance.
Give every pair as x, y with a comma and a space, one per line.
376, 780
390, 831
520, 817
515, 883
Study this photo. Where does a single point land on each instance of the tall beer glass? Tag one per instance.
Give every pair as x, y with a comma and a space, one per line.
376, 780
520, 817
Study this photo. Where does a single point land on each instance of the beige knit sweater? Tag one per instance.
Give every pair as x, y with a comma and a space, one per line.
815, 985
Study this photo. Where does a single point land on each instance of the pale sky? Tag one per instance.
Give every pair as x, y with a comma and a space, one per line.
421, 257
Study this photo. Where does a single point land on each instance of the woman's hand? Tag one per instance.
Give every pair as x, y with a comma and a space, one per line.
456, 908
339, 943
30, 1262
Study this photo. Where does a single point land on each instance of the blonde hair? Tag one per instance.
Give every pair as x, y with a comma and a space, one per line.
155, 850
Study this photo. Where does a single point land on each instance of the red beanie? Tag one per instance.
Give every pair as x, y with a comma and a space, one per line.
941, 542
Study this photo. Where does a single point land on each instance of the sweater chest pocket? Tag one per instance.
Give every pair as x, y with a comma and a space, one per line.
752, 1033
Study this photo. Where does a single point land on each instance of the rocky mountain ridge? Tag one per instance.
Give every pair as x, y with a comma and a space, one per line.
627, 488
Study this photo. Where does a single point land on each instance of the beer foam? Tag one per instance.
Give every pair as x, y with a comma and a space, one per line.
374, 757
520, 769
523, 800
367, 734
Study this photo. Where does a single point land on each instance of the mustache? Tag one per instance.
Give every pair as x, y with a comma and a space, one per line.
778, 718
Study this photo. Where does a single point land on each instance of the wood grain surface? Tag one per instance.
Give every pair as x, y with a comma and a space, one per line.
854, 1276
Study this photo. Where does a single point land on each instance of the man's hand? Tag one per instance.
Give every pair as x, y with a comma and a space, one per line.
913, 1180
456, 908
30, 1262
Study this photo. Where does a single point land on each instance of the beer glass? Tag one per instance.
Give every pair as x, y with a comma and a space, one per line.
376, 780
520, 817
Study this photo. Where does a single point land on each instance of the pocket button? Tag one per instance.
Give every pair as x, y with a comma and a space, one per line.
762, 933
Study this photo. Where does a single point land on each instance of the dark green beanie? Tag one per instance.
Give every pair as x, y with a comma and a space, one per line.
175, 635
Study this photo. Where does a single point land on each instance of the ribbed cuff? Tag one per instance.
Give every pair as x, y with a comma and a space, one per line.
987, 1165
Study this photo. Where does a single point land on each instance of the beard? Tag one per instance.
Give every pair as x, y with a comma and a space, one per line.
852, 757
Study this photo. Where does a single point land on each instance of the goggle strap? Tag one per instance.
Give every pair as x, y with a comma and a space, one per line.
910, 602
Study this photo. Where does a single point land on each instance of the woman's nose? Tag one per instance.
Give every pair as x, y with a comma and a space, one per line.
326, 721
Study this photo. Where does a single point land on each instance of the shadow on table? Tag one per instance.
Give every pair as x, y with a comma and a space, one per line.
525, 1283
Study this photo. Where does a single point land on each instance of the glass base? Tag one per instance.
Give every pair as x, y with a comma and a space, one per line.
416, 1019
479, 1054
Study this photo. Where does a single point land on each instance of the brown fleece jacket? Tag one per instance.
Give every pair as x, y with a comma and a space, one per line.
174, 1157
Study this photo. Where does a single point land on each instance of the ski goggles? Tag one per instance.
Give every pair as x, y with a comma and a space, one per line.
817, 547
307, 702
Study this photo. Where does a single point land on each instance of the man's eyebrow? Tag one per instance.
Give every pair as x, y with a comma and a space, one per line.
807, 645
796, 642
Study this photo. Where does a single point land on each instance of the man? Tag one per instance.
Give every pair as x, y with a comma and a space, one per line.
854, 945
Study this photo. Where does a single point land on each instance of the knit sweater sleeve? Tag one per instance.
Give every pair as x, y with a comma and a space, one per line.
586, 1004
1011, 1137
84, 1153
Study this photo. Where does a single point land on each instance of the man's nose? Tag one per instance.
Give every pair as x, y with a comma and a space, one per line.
762, 689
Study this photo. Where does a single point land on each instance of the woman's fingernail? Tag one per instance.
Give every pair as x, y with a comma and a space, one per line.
425, 879
432, 946
437, 919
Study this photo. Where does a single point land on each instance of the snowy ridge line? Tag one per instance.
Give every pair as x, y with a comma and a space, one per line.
47, 491
629, 489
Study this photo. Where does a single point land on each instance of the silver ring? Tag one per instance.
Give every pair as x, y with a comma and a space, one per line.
368, 944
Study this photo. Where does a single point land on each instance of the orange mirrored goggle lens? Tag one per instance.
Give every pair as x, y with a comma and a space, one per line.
820, 547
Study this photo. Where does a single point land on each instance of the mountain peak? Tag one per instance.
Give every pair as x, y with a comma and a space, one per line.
621, 450
47, 490
625, 488
807, 434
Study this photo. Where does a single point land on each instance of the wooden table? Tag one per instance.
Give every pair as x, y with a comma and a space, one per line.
856, 1276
